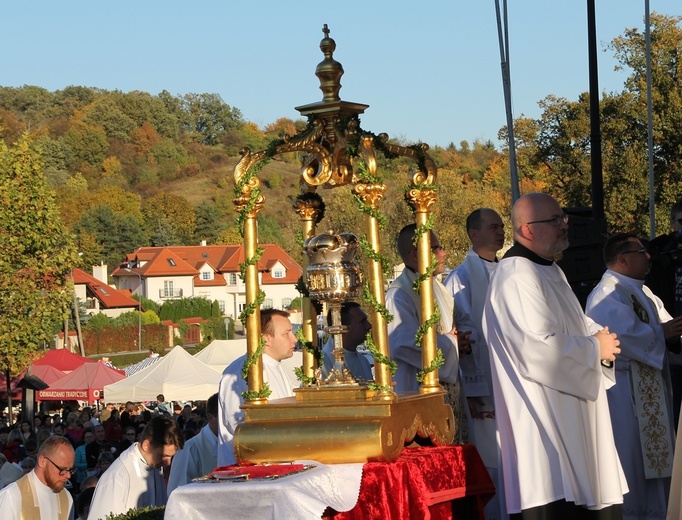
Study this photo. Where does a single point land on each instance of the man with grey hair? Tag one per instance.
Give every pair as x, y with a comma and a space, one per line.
556, 441
41, 494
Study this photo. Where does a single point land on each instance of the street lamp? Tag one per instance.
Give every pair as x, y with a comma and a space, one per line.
139, 314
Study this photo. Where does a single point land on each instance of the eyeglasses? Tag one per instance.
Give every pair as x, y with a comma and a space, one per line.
437, 248
555, 221
130, 434
640, 251
62, 471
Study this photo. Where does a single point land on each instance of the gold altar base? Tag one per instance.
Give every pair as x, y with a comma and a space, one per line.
337, 431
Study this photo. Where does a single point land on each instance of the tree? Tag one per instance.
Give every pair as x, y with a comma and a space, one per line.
209, 222
563, 147
166, 212
210, 117
115, 232
36, 257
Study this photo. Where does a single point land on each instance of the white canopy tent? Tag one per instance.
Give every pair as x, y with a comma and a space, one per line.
177, 375
221, 352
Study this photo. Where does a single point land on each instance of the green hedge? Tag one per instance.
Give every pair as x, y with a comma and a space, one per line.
145, 513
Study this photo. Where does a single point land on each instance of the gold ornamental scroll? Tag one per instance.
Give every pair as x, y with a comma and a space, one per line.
309, 209
250, 202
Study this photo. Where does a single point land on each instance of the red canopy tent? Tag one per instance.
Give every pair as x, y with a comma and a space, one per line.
86, 383
62, 359
47, 373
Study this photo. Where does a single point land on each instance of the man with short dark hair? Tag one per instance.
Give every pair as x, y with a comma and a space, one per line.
640, 402
468, 283
134, 480
558, 452
280, 341
40, 494
200, 454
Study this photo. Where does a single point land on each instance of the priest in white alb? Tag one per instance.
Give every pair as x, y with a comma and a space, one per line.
279, 344
558, 452
640, 402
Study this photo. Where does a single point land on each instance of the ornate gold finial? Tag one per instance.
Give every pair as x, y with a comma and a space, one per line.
329, 71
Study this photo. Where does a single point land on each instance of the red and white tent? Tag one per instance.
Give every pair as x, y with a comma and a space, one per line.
86, 383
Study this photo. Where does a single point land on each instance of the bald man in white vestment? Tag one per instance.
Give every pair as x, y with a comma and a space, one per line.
279, 344
558, 453
40, 494
640, 402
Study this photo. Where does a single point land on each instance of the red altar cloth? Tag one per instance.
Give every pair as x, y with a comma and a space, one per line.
436, 483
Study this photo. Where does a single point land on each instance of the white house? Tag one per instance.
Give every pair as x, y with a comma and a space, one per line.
212, 272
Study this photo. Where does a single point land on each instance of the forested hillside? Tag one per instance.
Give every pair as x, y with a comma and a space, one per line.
134, 169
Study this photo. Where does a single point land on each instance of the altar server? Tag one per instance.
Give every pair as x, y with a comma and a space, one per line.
279, 344
640, 402
134, 480
453, 328
558, 453
40, 494
468, 283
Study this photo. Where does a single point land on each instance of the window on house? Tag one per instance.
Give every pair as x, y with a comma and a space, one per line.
207, 275
278, 273
221, 305
233, 279
267, 304
168, 288
286, 303
241, 307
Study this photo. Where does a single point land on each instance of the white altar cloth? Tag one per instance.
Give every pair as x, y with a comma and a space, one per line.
296, 497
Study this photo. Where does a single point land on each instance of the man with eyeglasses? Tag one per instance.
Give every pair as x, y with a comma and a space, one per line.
556, 441
134, 480
640, 402
40, 494
453, 329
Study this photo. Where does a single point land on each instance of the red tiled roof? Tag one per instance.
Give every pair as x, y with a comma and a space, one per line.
109, 297
223, 258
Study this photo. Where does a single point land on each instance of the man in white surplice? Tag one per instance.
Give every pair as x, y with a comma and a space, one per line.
469, 285
199, 457
640, 402
134, 480
556, 441
452, 339
279, 344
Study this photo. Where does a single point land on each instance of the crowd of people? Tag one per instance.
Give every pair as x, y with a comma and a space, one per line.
572, 409
63, 457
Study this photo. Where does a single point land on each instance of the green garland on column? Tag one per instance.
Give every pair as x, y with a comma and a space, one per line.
249, 309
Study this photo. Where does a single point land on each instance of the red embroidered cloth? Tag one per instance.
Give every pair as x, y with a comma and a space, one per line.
435, 483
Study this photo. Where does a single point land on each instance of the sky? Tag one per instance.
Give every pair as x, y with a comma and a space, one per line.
429, 70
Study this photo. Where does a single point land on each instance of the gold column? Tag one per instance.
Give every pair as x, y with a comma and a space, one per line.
371, 194
309, 210
422, 200
251, 201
